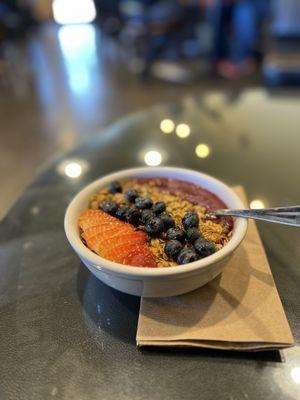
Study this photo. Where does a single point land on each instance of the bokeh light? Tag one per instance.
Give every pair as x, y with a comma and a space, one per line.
202, 150
167, 126
153, 158
256, 204
295, 373
79, 12
183, 131
73, 170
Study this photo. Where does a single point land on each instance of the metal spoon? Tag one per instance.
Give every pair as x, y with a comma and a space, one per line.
280, 215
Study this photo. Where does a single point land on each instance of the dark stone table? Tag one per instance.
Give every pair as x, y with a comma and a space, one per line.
66, 335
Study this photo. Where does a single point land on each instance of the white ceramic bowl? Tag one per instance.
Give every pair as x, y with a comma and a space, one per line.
155, 282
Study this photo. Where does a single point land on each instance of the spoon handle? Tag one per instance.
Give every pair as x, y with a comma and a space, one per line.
279, 215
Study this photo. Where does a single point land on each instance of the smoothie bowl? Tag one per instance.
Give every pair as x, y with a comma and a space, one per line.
149, 231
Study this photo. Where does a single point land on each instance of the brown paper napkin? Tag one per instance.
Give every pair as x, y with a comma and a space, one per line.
238, 310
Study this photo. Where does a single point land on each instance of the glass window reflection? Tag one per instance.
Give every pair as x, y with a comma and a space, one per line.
78, 46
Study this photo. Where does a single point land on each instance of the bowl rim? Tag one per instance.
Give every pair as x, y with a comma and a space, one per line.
100, 263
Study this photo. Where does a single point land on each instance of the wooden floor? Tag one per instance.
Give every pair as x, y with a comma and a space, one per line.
63, 86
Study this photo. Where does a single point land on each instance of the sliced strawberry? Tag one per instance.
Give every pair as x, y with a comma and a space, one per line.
119, 248
141, 257
103, 230
107, 245
92, 218
115, 240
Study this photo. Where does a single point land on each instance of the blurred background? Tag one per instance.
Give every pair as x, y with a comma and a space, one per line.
71, 67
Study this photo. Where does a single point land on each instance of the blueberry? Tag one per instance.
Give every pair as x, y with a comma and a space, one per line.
176, 234
146, 215
110, 207
122, 212
173, 248
154, 227
159, 207
192, 234
143, 202
204, 247
190, 220
134, 216
167, 220
115, 187
186, 256
131, 195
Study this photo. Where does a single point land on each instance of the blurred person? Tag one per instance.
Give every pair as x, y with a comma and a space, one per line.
161, 27
15, 19
237, 26
286, 19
